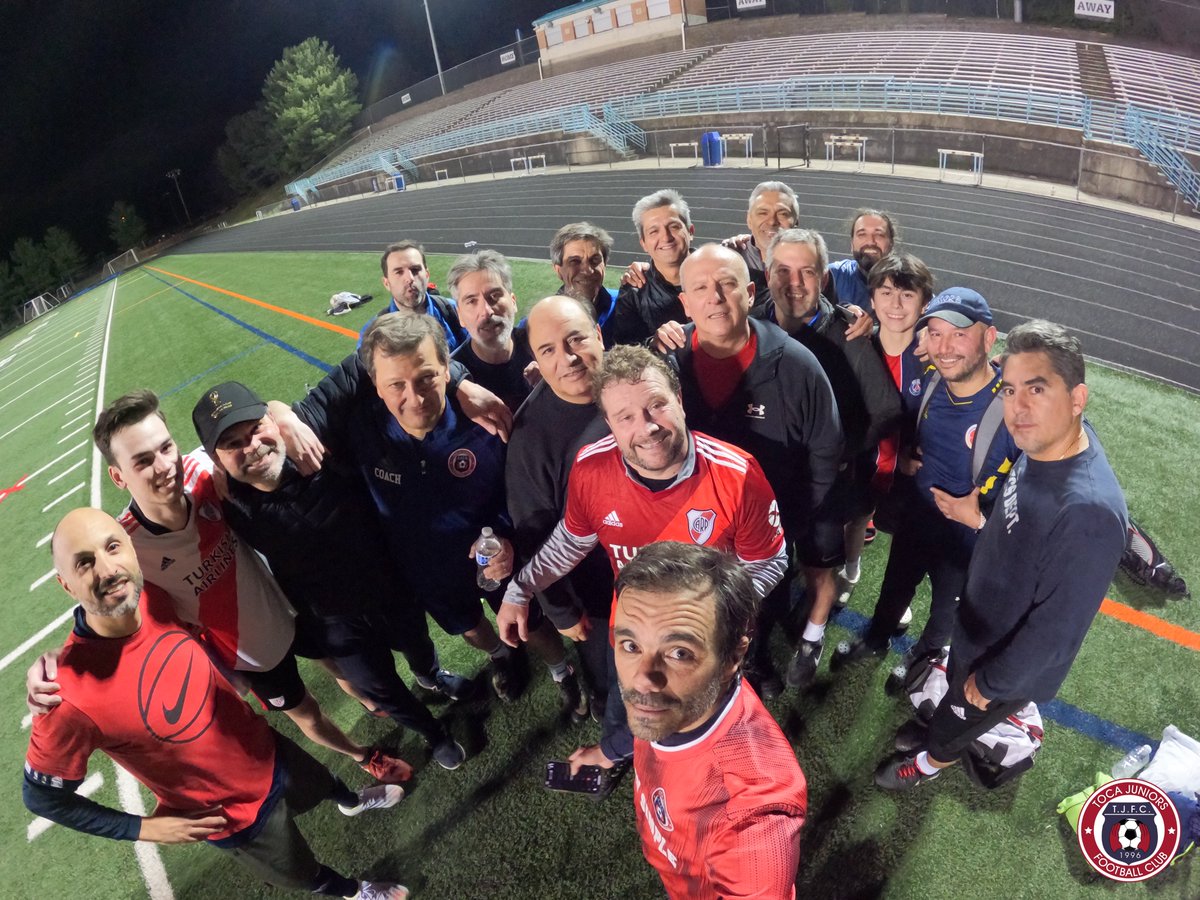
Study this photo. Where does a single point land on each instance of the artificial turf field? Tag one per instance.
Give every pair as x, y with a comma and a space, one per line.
490, 829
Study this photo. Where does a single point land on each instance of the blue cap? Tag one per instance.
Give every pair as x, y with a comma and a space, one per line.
961, 307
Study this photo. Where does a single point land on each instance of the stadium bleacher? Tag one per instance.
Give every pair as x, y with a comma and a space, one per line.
1153, 79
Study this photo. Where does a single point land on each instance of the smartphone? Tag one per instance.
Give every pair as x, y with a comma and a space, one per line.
586, 781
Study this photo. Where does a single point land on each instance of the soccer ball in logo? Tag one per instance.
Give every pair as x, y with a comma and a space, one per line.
1129, 834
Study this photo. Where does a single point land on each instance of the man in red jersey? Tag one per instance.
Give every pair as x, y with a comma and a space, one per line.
138, 686
651, 480
720, 798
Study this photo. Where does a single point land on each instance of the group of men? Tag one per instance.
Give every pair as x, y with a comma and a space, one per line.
660, 464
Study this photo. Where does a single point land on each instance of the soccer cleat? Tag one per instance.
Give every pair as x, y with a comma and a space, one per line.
803, 667
572, 700
905, 621
448, 684
377, 796
611, 778
911, 736
380, 890
855, 651
449, 753
765, 680
844, 586
386, 768
901, 775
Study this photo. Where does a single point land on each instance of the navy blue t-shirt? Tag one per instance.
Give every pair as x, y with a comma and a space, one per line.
947, 440
1039, 572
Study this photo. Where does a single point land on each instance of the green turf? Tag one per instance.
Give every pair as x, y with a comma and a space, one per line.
489, 830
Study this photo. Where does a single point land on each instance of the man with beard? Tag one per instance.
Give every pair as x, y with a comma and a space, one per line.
1041, 566
558, 418
720, 798
497, 355
137, 685
321, 538
579, 253
872, 236
664, 226
406, 277
651, 480
936, 531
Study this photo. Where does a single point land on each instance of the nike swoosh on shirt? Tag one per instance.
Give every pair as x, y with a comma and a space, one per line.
172, 715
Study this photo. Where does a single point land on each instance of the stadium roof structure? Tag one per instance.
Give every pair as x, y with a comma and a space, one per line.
566, 11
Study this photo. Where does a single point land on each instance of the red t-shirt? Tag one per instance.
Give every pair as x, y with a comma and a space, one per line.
720, 816
719, 378
154, 702
725, 503
889, 445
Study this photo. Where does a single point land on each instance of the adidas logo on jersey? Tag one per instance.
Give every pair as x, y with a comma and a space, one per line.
167, 562
613, 520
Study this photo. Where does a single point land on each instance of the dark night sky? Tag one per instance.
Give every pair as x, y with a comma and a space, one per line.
102, 99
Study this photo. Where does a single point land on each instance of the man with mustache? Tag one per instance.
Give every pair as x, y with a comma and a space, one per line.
872, 236
406, 277
719, 797
497, 355
579, 253
651, 480
136, 685
664, 225
321, 538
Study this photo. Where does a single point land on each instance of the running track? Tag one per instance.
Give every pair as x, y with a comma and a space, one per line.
1127, 284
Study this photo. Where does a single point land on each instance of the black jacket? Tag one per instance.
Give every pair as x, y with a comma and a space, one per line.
784, 413
640, 311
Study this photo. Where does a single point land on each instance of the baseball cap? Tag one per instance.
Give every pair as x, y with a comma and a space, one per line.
229, 403
961, 307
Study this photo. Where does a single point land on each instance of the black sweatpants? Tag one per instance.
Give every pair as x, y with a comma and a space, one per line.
956, 722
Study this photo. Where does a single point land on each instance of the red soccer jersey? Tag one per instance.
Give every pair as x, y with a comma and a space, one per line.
155, 703
724, 503
720, 816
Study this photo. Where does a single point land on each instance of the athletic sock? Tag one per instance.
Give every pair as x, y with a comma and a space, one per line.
560, 671
813, 632
852, 570
500, 651
343, 794
923, 763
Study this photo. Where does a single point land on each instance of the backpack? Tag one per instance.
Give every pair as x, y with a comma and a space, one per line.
1144, 563
989, 425
998, 755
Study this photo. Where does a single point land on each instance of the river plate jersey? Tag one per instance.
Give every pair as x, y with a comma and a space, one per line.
155, 703
214, 579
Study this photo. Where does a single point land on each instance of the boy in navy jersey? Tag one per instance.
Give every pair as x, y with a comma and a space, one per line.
1044, 559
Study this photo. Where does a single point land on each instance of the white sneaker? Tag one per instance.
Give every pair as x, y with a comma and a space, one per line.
377, 796
906, 619
845, 587
379, 890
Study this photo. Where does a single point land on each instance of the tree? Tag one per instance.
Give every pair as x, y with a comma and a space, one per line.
125, 226
66, 259
312, 101
32, 267
12, 294
250, 156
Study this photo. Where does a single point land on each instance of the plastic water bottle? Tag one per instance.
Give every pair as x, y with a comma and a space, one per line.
486, 548
1132, 762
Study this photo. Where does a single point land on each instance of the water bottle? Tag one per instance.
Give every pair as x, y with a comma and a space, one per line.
486, 548
1132, 762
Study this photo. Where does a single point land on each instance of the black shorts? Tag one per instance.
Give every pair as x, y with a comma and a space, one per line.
457, 607
279, 688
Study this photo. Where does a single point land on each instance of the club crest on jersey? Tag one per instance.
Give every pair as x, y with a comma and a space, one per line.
658, 800
914, 387
700, 524
969, 437
209, 511
461, 463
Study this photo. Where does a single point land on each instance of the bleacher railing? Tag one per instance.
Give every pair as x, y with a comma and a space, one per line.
1098, 120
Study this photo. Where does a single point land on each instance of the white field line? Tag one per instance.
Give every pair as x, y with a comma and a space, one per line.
90, 785
86, 376
149, 860
78, 406
71, 434
66, 472
16, 654
29, 356
71, 422
56, 459
42, 542
42, 580
75, 490
36, 414
31, 390
27, 721
5, 388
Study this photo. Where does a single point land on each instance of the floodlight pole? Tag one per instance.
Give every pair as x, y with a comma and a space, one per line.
437, 62
174, 176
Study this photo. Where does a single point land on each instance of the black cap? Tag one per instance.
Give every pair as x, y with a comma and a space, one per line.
223, 406
961, 307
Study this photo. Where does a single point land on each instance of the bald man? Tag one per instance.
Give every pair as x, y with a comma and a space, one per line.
217, 770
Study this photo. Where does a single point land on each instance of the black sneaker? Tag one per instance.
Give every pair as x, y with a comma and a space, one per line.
803, 667
449, 753
448, 684
765, 680
912, 735
572, 701
612, 777
901, 775
856, 651
508, 680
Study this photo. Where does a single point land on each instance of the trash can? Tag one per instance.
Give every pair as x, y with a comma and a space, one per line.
296, 203
399, 182
710, 148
